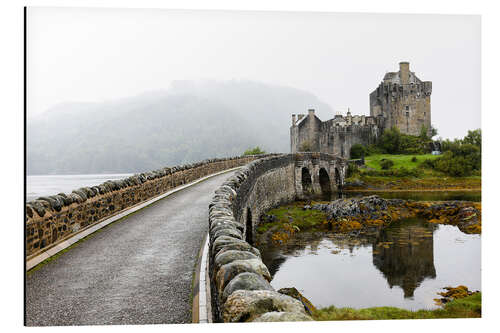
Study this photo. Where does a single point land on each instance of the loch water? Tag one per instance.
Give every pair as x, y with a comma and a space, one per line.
43, 185
403, 265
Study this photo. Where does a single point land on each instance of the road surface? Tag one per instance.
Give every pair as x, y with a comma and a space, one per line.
138, 270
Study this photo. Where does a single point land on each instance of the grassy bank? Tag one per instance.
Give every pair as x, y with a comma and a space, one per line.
405, 161
408, 172
468, 307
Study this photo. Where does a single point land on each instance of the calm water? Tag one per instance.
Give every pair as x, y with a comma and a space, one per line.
37, 186
418, 196
417, 261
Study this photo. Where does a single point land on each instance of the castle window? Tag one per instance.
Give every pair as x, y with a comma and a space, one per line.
407, 113
407, 108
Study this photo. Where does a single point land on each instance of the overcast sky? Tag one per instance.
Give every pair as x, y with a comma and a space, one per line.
78, 55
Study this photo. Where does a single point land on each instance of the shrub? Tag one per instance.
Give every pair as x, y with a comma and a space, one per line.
390, 141
458, 161
358, 151
352, 170
473, 138
254, 151
393, 142
386, 164
414, 159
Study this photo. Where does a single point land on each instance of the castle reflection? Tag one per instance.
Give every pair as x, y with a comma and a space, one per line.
404, 254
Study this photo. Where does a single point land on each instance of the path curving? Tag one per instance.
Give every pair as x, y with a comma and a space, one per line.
138, 270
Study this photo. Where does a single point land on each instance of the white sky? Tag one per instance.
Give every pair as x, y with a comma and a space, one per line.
77, 54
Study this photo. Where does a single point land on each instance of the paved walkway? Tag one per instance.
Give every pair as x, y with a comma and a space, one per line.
136, 271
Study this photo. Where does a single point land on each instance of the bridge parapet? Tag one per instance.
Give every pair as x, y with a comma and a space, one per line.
53, 219
239, 279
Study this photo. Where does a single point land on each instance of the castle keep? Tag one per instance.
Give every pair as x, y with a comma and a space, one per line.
401, 100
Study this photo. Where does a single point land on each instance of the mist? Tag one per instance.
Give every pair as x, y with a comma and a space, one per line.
88, 65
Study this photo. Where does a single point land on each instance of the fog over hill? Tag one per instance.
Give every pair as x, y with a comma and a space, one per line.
189, 122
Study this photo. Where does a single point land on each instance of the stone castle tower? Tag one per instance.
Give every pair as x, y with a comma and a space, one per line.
404, 100
401, 100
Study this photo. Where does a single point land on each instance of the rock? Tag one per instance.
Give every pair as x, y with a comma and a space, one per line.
223, 241
81, 194
245, 281
229, 231
29, 210
293, 292
75, 197
226, 222
228, 271
242, 246
282, 316
38, 207
246, 305
232, 255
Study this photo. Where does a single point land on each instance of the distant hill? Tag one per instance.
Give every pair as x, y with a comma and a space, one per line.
189, 122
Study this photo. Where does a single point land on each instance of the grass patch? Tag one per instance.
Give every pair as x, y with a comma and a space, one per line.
293, 215
467, 307
373, 161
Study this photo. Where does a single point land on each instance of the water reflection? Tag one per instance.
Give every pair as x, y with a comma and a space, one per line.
415, 257
404, 253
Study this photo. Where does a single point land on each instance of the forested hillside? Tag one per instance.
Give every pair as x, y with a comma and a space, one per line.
189, 122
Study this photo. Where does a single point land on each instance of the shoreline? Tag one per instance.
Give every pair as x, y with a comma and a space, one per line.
414, 190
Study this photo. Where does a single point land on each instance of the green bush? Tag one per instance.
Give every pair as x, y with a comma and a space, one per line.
386, 164
358, 151
473, 138
414, 159
352, 170
254, 151
392, 141
459, 160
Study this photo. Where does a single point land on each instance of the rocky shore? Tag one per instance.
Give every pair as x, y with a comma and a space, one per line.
373, 211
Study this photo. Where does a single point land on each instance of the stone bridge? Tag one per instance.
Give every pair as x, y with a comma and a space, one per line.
139, 270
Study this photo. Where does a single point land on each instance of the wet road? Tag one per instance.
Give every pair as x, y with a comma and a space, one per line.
138, 270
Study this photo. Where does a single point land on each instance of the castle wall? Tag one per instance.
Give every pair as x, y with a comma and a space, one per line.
404, 101
335, 136
338, 140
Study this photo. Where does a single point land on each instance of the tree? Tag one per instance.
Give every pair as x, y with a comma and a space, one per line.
390, 141
473, 137
358, 151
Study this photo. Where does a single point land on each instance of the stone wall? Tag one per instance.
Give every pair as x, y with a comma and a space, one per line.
52, 219
240, 288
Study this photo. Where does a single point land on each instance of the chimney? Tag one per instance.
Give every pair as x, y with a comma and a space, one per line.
404, 72
311, 112
293, 120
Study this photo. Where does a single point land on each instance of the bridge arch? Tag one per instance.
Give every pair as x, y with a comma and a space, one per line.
306, 179
324, 182
338, 178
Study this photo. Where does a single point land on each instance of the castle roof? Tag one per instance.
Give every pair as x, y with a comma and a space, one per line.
393, 77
